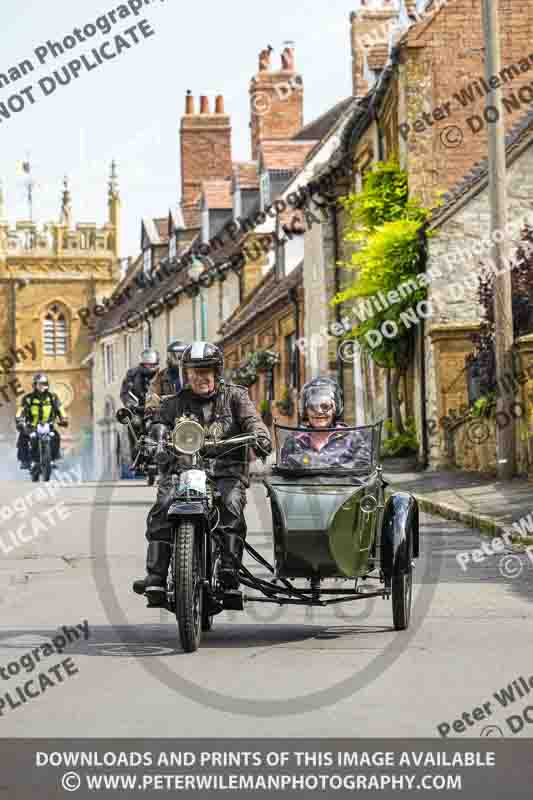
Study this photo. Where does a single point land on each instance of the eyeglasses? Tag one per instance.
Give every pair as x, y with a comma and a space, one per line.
326, 407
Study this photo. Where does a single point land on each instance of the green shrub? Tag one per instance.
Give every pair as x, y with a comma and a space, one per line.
398, 444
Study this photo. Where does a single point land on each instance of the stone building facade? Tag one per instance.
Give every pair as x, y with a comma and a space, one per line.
414, 92
205, 284
47, 274
456, 256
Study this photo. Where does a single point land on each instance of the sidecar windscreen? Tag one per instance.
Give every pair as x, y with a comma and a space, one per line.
341, 449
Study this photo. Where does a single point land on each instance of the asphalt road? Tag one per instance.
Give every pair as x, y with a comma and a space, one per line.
267, 671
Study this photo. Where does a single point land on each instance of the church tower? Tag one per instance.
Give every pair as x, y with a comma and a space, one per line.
49, 274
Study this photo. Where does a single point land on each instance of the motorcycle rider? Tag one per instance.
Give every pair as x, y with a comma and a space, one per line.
166, 381
321, 408
136, 382
208, 399
38, 406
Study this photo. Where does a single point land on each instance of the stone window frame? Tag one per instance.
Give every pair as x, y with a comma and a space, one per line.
55, 312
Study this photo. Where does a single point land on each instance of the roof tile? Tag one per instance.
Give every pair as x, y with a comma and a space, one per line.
284, 155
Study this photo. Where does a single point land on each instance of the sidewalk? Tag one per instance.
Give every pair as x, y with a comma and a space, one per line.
478, 502
483, 503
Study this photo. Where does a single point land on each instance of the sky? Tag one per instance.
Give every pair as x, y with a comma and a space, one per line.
130, 107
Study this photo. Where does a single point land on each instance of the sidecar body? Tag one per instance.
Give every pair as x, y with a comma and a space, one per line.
330, 517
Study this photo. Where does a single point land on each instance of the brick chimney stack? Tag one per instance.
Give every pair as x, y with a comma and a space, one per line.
370, 31
205, 146
276, 99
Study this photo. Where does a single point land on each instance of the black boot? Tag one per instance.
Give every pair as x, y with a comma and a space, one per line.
231, 561
157, 562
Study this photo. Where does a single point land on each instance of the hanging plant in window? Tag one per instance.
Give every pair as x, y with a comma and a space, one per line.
266, 359
286, 405
260, 361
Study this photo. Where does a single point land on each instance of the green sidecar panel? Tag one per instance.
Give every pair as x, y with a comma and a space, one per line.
320, 530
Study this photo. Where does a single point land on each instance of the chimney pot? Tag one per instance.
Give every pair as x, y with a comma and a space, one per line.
204, 104
189, 103
219, 104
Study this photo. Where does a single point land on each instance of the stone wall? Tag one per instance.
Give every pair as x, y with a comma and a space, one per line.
444, 57
454, 271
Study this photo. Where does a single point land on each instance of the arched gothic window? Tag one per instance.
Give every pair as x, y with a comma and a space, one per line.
55, 335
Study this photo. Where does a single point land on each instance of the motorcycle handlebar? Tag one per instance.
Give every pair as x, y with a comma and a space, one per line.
248, 439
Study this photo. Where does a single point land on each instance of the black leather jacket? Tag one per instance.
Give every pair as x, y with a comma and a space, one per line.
136, 381
237, 414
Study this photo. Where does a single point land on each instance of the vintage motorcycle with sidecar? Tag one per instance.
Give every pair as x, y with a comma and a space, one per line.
329, 520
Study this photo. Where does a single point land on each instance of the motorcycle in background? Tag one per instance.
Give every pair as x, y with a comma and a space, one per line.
41, 443
143, 462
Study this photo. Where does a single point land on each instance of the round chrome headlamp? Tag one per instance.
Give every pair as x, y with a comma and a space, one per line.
188, 437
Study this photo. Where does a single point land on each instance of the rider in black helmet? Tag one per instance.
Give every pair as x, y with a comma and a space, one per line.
135, 388
207, 398
166, 381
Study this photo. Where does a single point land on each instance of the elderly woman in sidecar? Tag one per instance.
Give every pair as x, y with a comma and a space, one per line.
326, 442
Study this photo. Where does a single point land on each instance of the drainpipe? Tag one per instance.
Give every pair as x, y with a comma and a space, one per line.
147, 320
340, 364
293, 298
423, 376
423, 410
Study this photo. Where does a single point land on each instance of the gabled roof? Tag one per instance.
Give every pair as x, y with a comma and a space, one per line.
150, 231
175, 219
519, 138
320, 127
216, 194
288, 155
414, 36
269, 292
161, 225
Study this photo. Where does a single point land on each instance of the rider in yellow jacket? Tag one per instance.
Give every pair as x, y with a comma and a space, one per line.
38, 406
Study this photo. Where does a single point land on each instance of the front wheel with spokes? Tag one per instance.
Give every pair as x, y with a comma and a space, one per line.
188, 586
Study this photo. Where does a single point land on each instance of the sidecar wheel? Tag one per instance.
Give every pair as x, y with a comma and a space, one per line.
188, 586
402, 592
